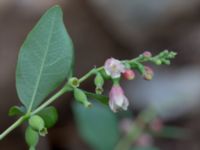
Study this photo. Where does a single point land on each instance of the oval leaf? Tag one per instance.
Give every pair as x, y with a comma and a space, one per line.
50, 116
17, 111
98, 126
101, 98
45, 59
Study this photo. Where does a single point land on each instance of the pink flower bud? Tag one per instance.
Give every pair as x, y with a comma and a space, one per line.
147, 54
117, 99
125, 125
129, 74
156, 125
148, 75
114, 67
145, 140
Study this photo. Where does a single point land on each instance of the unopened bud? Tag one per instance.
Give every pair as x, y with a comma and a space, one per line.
99, 81
172, 54
166, 62
129, 74
145, 140
37, 123
147, 54
158, 62
80, 96
125, 125
148, 75
156, 125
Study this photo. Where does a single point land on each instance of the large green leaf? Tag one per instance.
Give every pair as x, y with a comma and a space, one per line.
45, 59
97, 125
145, 148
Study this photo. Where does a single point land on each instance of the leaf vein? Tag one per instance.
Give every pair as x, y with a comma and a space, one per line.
42, 65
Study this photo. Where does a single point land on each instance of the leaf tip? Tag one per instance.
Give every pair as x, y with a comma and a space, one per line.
56, 8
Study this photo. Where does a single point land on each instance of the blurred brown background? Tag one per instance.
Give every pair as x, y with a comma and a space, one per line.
118, 28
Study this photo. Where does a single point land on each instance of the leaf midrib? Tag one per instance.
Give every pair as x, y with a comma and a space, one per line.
42, 65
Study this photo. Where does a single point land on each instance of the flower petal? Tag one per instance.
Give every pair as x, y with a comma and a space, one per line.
117, 99
114, 67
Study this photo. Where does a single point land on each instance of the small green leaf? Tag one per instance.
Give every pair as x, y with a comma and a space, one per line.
138, 66
50, 116
101, 98
98, 126
45, 59
17, 111
104, 75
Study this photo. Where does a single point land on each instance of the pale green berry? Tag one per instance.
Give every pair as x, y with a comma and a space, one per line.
37, 123
31, 137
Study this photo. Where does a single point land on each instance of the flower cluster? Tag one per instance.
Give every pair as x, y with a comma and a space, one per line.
117, 99
114, 70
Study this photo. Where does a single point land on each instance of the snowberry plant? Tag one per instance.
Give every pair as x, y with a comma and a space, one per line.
45, 65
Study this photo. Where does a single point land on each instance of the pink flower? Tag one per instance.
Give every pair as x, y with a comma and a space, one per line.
117, 99
129, 74
156, 125
145, 140
125, 125
114, 67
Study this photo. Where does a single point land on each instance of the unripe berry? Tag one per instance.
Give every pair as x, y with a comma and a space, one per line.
37, 123
129, 74
31, 137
